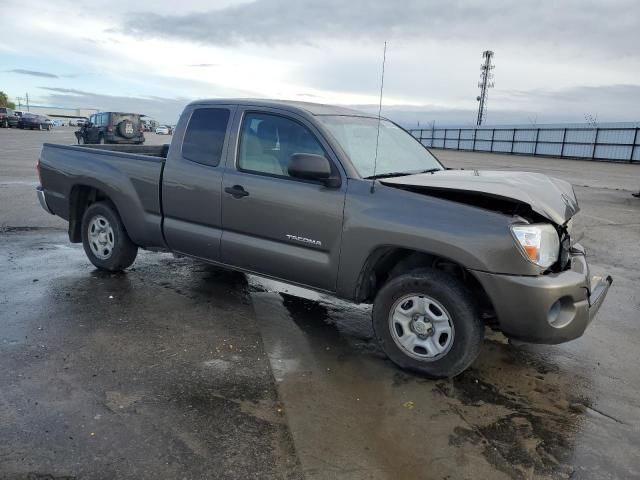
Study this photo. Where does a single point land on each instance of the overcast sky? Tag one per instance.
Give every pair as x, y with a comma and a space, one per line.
555, 60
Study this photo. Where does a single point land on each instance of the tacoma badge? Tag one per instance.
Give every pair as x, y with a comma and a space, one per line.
310, 241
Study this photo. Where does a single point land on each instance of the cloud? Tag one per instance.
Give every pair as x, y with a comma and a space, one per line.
66, 90
283, 22
203, 65
33, 73
160, 108
610, 103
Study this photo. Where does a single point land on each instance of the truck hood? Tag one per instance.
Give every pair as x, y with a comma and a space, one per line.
547, 196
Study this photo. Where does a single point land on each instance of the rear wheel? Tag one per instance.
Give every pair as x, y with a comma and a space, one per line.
105, 240
427, 321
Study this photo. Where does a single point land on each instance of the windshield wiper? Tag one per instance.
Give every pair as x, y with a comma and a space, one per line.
431, 170
388, 175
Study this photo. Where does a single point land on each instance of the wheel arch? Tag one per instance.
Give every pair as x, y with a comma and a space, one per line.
81, 197
387, 262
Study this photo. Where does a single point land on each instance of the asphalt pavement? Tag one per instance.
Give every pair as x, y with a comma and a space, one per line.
176, 369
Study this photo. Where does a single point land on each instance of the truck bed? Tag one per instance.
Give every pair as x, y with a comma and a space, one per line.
130, 175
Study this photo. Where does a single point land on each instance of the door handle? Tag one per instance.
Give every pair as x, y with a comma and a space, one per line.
236, 191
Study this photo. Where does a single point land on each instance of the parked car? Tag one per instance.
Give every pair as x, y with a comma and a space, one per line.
8, 118
80, 122
291, 191
32, 121
163, 130
112, 127
149, 125
59, 123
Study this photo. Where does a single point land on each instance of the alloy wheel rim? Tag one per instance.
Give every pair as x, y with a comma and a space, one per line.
421, 327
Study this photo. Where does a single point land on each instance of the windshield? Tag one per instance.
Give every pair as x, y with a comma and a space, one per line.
398, 151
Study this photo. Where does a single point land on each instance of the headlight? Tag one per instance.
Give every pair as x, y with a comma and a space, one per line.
539, 243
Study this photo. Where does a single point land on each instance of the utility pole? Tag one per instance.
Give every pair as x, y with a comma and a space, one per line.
485, 83
19, 100
27, 94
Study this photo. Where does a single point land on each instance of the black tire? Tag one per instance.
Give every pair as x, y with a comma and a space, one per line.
5, 123
123, 251
457, 300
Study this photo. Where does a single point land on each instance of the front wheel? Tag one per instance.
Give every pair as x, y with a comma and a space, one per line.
427, 321
105, 239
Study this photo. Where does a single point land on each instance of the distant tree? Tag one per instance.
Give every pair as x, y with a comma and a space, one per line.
4, 101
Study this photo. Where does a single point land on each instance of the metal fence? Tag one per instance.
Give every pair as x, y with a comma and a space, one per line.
611, 143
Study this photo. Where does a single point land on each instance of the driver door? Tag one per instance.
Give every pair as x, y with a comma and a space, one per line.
274, 224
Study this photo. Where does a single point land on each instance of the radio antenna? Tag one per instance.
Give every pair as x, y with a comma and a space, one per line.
375, 158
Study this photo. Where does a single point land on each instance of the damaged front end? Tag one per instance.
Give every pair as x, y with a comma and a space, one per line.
536, 201
554, 306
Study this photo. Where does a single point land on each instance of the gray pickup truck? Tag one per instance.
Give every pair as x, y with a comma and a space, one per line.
344, 203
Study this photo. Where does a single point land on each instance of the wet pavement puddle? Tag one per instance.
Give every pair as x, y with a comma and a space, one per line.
353, 414
186, 345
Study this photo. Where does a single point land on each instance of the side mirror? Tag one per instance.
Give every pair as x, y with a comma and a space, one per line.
308, 166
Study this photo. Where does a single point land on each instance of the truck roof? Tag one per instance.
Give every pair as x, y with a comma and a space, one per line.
291, 105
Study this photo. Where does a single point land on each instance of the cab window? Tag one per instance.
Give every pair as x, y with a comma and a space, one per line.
205, 134
268, 141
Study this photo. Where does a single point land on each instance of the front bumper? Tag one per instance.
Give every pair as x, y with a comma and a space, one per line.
552, 308
43, 200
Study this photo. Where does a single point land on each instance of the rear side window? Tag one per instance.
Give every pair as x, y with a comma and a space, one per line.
205, 134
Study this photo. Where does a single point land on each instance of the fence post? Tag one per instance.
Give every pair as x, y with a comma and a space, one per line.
513, 139
595, 144
493, 132
633, 147
473, 147
459, 130
564, 136
535, 145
